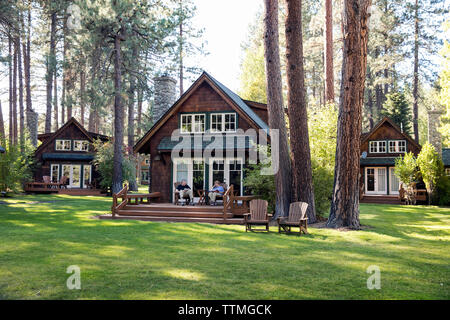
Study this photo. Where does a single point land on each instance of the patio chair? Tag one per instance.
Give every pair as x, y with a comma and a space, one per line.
46, 179
176, 195
297, 218
257, 216
220, 196
63, 182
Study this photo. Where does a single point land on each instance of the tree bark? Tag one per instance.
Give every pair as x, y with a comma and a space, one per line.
416, 74
344, 210
131, 101
2, 127
298, 116
329, 70
10, 116
117, 181
283, 181
55, 101
82, 93
21, 106
50, 72
14, 88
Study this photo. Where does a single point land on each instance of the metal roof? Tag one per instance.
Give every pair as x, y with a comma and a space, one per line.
446, 156
67, 156
379, 161
236, 99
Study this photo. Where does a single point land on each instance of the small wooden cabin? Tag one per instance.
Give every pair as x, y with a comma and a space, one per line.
68, 152
379, 149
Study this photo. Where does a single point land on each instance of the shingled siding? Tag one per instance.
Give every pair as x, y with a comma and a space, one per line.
71, 132
204, 99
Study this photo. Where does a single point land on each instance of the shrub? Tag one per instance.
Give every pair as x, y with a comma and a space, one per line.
431, 168
442, 193
103, 161
15, 167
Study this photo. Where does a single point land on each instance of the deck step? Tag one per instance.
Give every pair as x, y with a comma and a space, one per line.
176, 219
159, 208
166, 213
381, 199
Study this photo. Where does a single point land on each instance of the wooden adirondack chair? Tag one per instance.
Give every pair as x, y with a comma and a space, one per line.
258, 215
297, 218
63, 182
46, 179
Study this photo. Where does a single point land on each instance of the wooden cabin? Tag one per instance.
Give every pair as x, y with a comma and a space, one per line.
67, 152
379, 149
210, 111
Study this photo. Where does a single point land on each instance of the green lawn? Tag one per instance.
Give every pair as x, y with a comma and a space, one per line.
40, 236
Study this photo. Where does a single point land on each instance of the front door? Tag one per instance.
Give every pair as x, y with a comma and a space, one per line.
73, 173
227, 170
191, 170
376, 181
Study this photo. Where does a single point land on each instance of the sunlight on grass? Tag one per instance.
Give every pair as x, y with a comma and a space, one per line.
40, 236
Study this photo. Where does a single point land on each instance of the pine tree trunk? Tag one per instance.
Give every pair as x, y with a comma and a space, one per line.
131, 101
329, 70
55, 101
82, 94
118, 119
21, 106
50, 72
139, 112
416, 74
2, 127
283, 181
14, 106
10, 114
298, 117
344, 210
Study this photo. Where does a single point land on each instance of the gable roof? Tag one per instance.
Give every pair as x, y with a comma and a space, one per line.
366, 136
62, 128
229, 96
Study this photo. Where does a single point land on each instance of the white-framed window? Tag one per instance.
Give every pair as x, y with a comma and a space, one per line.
192, 123
63, 145
147, 161
397, 146
377, 146
54, 172
223, 122
447, 172
81, 145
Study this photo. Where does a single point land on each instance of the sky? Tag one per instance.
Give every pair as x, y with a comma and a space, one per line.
225, 26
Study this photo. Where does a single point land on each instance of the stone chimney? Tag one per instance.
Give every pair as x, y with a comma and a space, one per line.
434, 136
165, 95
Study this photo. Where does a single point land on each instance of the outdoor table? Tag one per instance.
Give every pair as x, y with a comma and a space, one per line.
203, 194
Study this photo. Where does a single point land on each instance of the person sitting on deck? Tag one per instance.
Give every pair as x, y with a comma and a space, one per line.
216, 190
184, 190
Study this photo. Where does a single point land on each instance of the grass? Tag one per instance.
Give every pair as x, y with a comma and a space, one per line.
40, 236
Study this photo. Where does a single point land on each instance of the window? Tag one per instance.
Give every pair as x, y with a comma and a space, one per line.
377, 146
147, 161
192, 123
397, 146
447, 172
81, 145
223, 122
63, 145
54, 171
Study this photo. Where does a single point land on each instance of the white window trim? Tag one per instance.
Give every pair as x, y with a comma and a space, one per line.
51, 172
82, 141
226, 171
222, 114
396, 146
447, 172
378, 146
192, 115
64, 140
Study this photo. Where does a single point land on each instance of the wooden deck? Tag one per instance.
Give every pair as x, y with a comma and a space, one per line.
42, 189
382, 199
171, 213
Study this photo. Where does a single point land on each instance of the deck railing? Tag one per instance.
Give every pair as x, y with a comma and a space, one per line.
228, 201
116, 206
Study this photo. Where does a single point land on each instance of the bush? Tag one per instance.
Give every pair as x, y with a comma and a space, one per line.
15, 167
322, 126
442, 193
431, 168
261, 185
103, 161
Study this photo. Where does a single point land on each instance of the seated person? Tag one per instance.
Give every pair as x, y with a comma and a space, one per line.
216, 190
184, 189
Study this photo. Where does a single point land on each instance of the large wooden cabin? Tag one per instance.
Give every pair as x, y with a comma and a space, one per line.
207, 110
